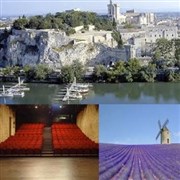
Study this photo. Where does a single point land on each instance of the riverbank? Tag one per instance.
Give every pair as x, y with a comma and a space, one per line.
56, 80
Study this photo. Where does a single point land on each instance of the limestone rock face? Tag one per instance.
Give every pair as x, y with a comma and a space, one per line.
53, 48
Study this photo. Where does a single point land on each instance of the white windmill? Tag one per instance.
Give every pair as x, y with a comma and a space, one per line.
164, 132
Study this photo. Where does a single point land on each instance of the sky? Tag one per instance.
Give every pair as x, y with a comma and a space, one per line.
32, 7
137, 124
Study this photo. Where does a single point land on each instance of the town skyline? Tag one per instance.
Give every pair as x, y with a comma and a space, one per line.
31, 7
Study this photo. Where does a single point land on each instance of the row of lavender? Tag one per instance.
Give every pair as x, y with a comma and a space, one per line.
139, 162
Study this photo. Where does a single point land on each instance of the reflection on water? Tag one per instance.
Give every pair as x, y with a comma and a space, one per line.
103, 93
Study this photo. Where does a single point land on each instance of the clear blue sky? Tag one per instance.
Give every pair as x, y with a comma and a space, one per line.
29, 7
137, 124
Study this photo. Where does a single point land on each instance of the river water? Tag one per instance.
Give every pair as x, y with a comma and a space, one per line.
125, 93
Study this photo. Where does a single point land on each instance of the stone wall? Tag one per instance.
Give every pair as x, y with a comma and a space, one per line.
7, 122
88, 121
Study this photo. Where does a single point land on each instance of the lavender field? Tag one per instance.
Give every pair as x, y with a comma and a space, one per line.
139, 162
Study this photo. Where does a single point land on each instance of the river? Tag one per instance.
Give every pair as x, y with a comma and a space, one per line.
125, 93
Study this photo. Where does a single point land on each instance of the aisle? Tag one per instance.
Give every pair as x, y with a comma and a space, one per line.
47, 142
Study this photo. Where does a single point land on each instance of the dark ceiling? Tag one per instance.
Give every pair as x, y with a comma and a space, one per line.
53, 109
45, 113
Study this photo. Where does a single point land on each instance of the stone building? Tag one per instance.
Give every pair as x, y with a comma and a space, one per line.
130, 16
154, 33
114, 12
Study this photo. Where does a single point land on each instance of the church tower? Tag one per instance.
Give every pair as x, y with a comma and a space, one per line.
113, 10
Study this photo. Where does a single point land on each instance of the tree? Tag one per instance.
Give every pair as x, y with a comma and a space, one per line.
41, 71
6, 71
100, 72
177, 51
163, 51
128, 77
128, 26
67, 74
114, 24
78, 70
16, 71
45, 24
117, 37
133, 66
119, 67
33, 23
20, 23
120, 70
29, 72
169, 75
70, 31
148, 73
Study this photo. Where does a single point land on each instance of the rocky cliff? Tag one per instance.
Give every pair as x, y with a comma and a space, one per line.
53, 48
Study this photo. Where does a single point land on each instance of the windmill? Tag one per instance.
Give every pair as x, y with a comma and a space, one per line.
164, 132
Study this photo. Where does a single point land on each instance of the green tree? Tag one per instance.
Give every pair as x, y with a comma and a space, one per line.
100, 72
128, 76
117, 37
7, 71
70, 31
120, 70
67, 74
20, 23
34, 22
78, 70
16, 71
169, 75
45, 24
128, 26
29, 72
148, 73
114, 24
133, 66
41, 71
177, 52
163, 52
119, 67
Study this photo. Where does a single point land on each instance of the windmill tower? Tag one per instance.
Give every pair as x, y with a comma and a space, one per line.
164, 132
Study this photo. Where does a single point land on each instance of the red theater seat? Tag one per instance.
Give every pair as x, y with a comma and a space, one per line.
69, 139
27, 140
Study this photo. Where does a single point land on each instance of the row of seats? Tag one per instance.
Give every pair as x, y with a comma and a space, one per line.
27, 140
66, 139
69, 139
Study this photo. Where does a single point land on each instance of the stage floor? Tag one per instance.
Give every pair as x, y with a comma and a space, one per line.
49, 168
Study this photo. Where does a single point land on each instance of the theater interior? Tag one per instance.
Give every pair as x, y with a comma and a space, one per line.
49, 141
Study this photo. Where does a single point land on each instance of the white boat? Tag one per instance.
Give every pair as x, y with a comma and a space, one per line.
6, 93
75, 95
80, 85
20, 88
16, 93
16, 90
72, 95
78, 89
11, 92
